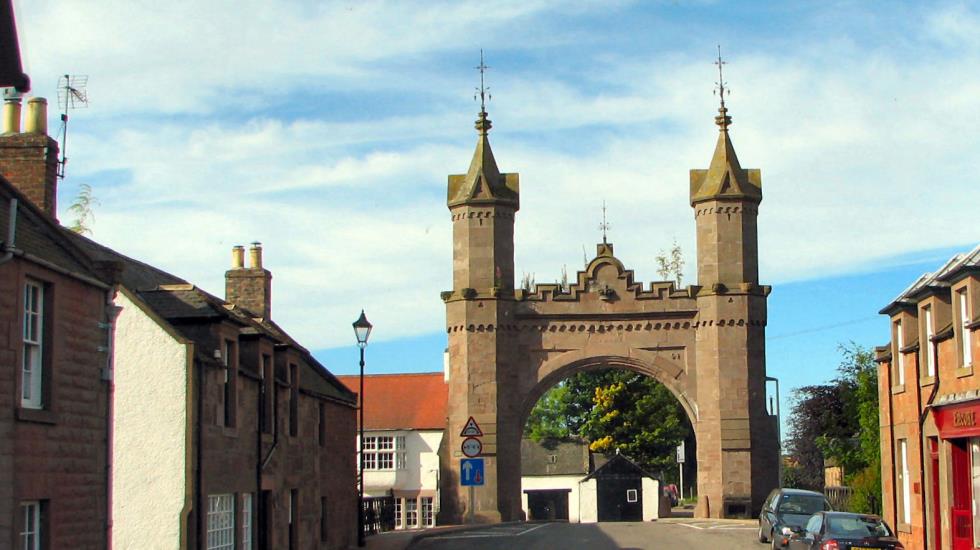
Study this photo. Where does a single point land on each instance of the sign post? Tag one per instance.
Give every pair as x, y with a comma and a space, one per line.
680, 466
471, 468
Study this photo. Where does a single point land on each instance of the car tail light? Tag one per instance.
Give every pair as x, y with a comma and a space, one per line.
829, 545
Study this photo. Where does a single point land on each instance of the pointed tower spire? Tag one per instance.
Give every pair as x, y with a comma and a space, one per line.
724, 177
483, 181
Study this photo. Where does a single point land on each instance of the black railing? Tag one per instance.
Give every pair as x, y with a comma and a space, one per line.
379, 514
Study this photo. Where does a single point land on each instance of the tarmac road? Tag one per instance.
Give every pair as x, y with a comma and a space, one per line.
673, 534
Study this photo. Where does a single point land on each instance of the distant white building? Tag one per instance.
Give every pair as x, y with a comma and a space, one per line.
404, 421
564, 481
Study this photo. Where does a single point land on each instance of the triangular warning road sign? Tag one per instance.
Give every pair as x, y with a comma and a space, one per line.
471, 429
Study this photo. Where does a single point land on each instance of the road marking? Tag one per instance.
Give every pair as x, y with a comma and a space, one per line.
491, 532
531, 529
713, 526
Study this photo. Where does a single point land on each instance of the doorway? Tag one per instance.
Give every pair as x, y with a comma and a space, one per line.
962, 511
548, 505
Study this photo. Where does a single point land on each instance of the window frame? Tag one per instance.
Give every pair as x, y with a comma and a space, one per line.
399, 513
427, 507
229, 362
411, 513
928, 320
899, 356
385, 453
34, 315
903, 484
963, 326
221, 506
34, 529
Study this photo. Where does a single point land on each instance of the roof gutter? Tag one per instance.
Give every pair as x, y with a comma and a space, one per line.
8, 244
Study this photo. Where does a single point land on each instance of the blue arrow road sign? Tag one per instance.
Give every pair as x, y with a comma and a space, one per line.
471, 472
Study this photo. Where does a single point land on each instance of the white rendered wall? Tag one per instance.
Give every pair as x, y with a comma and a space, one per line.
545, 483
421, 471
588, 501
651, 499
149, 432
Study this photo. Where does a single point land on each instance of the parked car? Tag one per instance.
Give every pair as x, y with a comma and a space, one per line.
844, 531
788, 508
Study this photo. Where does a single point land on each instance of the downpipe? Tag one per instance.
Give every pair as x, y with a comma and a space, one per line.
8, 243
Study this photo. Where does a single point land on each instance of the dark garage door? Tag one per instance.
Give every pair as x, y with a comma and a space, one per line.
620, 498
548, 505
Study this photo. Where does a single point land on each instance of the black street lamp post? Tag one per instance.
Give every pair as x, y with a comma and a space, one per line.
362, 330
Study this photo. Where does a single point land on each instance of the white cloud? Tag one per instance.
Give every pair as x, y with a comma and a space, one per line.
866, 151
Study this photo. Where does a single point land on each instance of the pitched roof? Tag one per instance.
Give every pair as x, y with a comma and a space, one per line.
402, 401
483, 182
177, 301
960, 263
37, 235
725, 177
554, 457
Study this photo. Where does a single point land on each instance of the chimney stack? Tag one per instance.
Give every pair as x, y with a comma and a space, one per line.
249, 287
29, 159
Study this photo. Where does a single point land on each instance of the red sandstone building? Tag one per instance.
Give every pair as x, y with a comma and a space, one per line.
929, 389
53, 387
139, 411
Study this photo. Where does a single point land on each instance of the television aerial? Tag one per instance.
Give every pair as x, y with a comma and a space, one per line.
71, 95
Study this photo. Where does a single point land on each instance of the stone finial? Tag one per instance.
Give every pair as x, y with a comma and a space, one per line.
725, 177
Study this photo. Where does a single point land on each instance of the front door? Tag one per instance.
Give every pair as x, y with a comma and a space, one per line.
962, 512
934, 471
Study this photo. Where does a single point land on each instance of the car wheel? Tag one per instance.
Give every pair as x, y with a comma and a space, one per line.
762, 534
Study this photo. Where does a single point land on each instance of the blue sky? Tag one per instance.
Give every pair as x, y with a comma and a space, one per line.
326, 131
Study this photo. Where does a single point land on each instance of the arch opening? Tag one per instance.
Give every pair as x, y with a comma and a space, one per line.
581, 417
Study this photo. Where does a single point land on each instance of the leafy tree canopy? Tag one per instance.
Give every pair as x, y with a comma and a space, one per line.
837, 421
614, 410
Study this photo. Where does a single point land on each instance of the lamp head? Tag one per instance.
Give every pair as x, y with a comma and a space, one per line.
362, 329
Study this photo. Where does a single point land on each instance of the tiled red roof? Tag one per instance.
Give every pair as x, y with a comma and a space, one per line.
402, 401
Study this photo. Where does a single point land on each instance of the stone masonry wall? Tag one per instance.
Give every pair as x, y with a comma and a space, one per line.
57, 454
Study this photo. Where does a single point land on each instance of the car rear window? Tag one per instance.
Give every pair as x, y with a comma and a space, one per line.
857, 527
801, 504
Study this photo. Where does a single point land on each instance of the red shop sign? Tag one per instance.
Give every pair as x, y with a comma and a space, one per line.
959, 420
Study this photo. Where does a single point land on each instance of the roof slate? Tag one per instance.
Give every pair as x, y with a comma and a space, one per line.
402, 401
938, 279
554, 458
40, 236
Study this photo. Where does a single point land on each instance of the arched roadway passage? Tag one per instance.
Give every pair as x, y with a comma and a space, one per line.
644, 362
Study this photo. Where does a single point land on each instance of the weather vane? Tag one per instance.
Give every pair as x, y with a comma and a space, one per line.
721, 91
483, 92
604, 226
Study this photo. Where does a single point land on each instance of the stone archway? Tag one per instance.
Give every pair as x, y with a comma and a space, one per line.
572, 363
705, 342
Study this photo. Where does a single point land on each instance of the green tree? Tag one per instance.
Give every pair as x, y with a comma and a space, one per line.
671, 264
614, 409
639, 417
839, 421
82, 209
